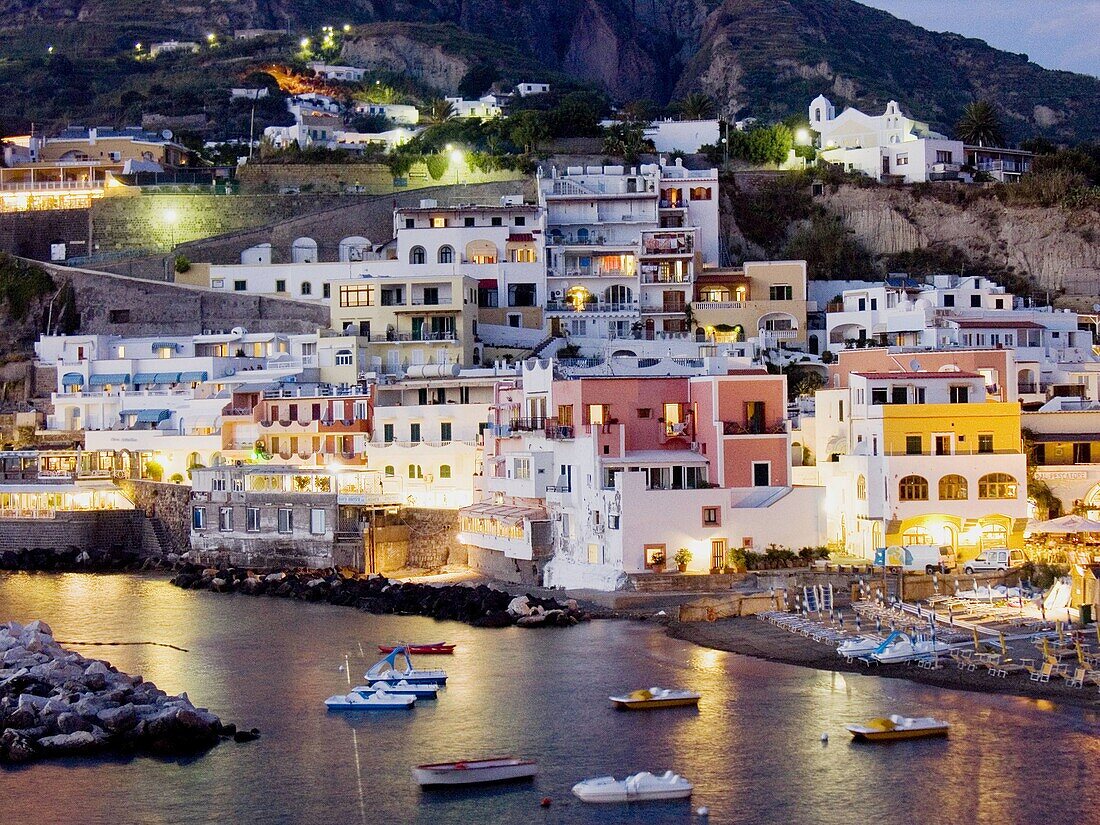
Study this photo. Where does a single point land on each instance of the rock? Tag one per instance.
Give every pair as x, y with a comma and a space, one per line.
68, 742
21, 717
35, 703
246, 735
97, 667
519, 606
118, 719
531, 621
38, 626
15, 748
69, 722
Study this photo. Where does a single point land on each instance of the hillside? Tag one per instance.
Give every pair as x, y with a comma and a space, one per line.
767, 58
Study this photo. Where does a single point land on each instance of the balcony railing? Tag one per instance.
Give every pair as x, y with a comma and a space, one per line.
657, 278
411, 337
588, 273
753, 428
1027, 388
592, 306
558, 432
718, 305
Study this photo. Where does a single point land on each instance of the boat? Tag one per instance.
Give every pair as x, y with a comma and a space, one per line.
430, 649
378, 700
474, 771
640, 787
892, 728
901, 647
402, 688
397, 667
859, 647
655, 697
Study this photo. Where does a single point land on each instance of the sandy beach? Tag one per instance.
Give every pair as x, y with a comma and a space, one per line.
752, 637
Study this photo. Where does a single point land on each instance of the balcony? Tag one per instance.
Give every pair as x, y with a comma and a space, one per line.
754, 428
719, 305
414, 337
558, 432
667, 278
592, 307
588, 273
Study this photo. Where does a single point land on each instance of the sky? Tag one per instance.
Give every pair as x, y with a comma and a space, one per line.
1056, 34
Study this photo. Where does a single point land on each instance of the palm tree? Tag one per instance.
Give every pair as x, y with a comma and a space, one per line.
980, 125
696, 106
439, 110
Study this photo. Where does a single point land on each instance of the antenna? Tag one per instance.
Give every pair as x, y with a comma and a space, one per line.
914, 365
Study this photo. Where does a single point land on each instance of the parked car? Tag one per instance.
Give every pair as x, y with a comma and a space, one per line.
999, 559
917, 557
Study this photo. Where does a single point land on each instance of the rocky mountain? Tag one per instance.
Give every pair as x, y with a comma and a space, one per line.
766, 58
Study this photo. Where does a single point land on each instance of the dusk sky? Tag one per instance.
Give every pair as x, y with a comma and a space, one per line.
1056, 34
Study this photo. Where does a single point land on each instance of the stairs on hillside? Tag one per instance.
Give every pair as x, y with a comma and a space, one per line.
543, 345
156, 539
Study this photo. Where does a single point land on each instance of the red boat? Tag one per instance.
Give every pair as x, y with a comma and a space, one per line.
438, 648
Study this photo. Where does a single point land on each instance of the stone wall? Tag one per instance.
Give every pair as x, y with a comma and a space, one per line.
29, 234
368, 178
103, 530
116, 305
433, 537
501, 568
167, 503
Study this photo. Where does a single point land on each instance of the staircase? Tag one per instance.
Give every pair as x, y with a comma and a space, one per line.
156, 539
543, 345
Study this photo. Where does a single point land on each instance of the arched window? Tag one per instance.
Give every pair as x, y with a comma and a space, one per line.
917, 535
618, 294
415, 471
307, 288
997, 485
444, 470
913, 488
446, 254
416, 255
817, 114
953, 488
861, 488
390, 471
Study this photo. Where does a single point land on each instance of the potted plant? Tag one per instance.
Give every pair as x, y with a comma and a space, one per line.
682, 557
735, 560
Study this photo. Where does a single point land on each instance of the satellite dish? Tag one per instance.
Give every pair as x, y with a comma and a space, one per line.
166, 134
914, 365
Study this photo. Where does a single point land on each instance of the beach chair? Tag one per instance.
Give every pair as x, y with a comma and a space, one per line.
1042, 673
1078, 678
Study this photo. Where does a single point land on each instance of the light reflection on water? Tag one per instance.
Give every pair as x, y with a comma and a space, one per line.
752, 748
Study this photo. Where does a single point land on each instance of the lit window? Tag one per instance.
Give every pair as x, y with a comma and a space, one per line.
439, 223
356, 295
913, 488
445, 471
711, 516
597, 414
861, 488
953, 488
997, 485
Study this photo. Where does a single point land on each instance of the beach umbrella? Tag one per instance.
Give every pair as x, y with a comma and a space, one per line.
859, 624
935, 584
1065, 525
878, 625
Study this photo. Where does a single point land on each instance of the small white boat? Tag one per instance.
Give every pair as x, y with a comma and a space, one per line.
640, 787
901, 647
892, 728
425, 691
858, 647
655, 697
379, 700
474, 771
397, 667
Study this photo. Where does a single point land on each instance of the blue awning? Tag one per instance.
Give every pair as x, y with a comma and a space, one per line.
109, 378
167, 378
188, 377
72, 379
148, 416
164, 345
145, 378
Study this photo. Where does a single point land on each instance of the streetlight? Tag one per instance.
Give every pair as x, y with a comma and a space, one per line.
170, 219
456, 159
211, 38
802, 137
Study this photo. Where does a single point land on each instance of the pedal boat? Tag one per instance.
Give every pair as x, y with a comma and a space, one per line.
655, 697
892, 728
640, 787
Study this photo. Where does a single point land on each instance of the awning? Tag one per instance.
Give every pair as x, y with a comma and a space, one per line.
487, 283
153, 416
188, 377
145, 378
521, 237
72, 379
1048, 438
109, 378
503, 513
167, 378
164, 345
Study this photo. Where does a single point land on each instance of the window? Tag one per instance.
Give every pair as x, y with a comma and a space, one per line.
761, 474
286, 520
612, 522
913, 488
654, 555
497, 222
949, 300
902, 160
316, 521
445, 431
700, 193
410, 223
307, 288
985, 442
597, 414
217, 283
343, 358
674, 420
415, 471
943, 445
645, 412
521, 295
356, 295
712, 516
913, 445
944, 157
414, 433
467, 221
416, 255
521, 469
446, 254
487, 297
252, 519
240, 286
225, 519
861, 488
280, 285
326, 290
439, 223
953, 488
198, 518
444, 470
959, 395
521, 220
976, 301
879, 396
387, 433
565, 415
997, 485
780, 292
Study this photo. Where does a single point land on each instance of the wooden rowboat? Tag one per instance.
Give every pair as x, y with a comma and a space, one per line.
436, 648
474, 771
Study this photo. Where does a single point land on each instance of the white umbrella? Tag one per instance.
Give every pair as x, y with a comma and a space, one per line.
1064, 525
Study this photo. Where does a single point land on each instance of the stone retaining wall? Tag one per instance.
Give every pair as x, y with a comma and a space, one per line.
170, 504
103, 530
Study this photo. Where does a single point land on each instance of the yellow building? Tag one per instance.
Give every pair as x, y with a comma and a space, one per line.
409, 320
764, 299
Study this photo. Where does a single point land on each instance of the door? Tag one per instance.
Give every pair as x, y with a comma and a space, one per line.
717, 554
886, 165
761, 474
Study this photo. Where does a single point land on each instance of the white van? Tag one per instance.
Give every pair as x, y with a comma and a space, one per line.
927, 558
999, 559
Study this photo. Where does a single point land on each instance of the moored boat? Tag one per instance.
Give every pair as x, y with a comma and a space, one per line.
431, 649
894, 727
474, 771
397, 667
655, 697
639, 787
902, 647
378, 700
402, 688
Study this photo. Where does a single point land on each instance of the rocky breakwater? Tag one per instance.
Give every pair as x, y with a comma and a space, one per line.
54, 702
481, 606
76, 560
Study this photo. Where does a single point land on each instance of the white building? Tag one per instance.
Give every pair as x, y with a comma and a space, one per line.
343, 74
173, 46
624, 246
528, 89
890, 146
682, 135
244, 93
399, 113
484, 107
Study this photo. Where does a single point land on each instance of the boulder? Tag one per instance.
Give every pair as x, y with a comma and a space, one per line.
519, 606
15, 748
68, 742
70, 722
38, 626
118, 719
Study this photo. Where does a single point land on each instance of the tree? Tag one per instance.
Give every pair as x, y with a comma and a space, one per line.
439, 110
627, 140
696, 106
478, 80
980, 125
527, 129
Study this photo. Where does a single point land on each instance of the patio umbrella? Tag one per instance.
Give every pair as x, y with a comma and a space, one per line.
1064, 525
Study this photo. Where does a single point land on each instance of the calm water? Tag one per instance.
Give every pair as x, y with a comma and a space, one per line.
752, 749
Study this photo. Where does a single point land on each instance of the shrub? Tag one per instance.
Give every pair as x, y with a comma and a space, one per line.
154, 470
437, 165
182, 264
682, 557
176, 478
